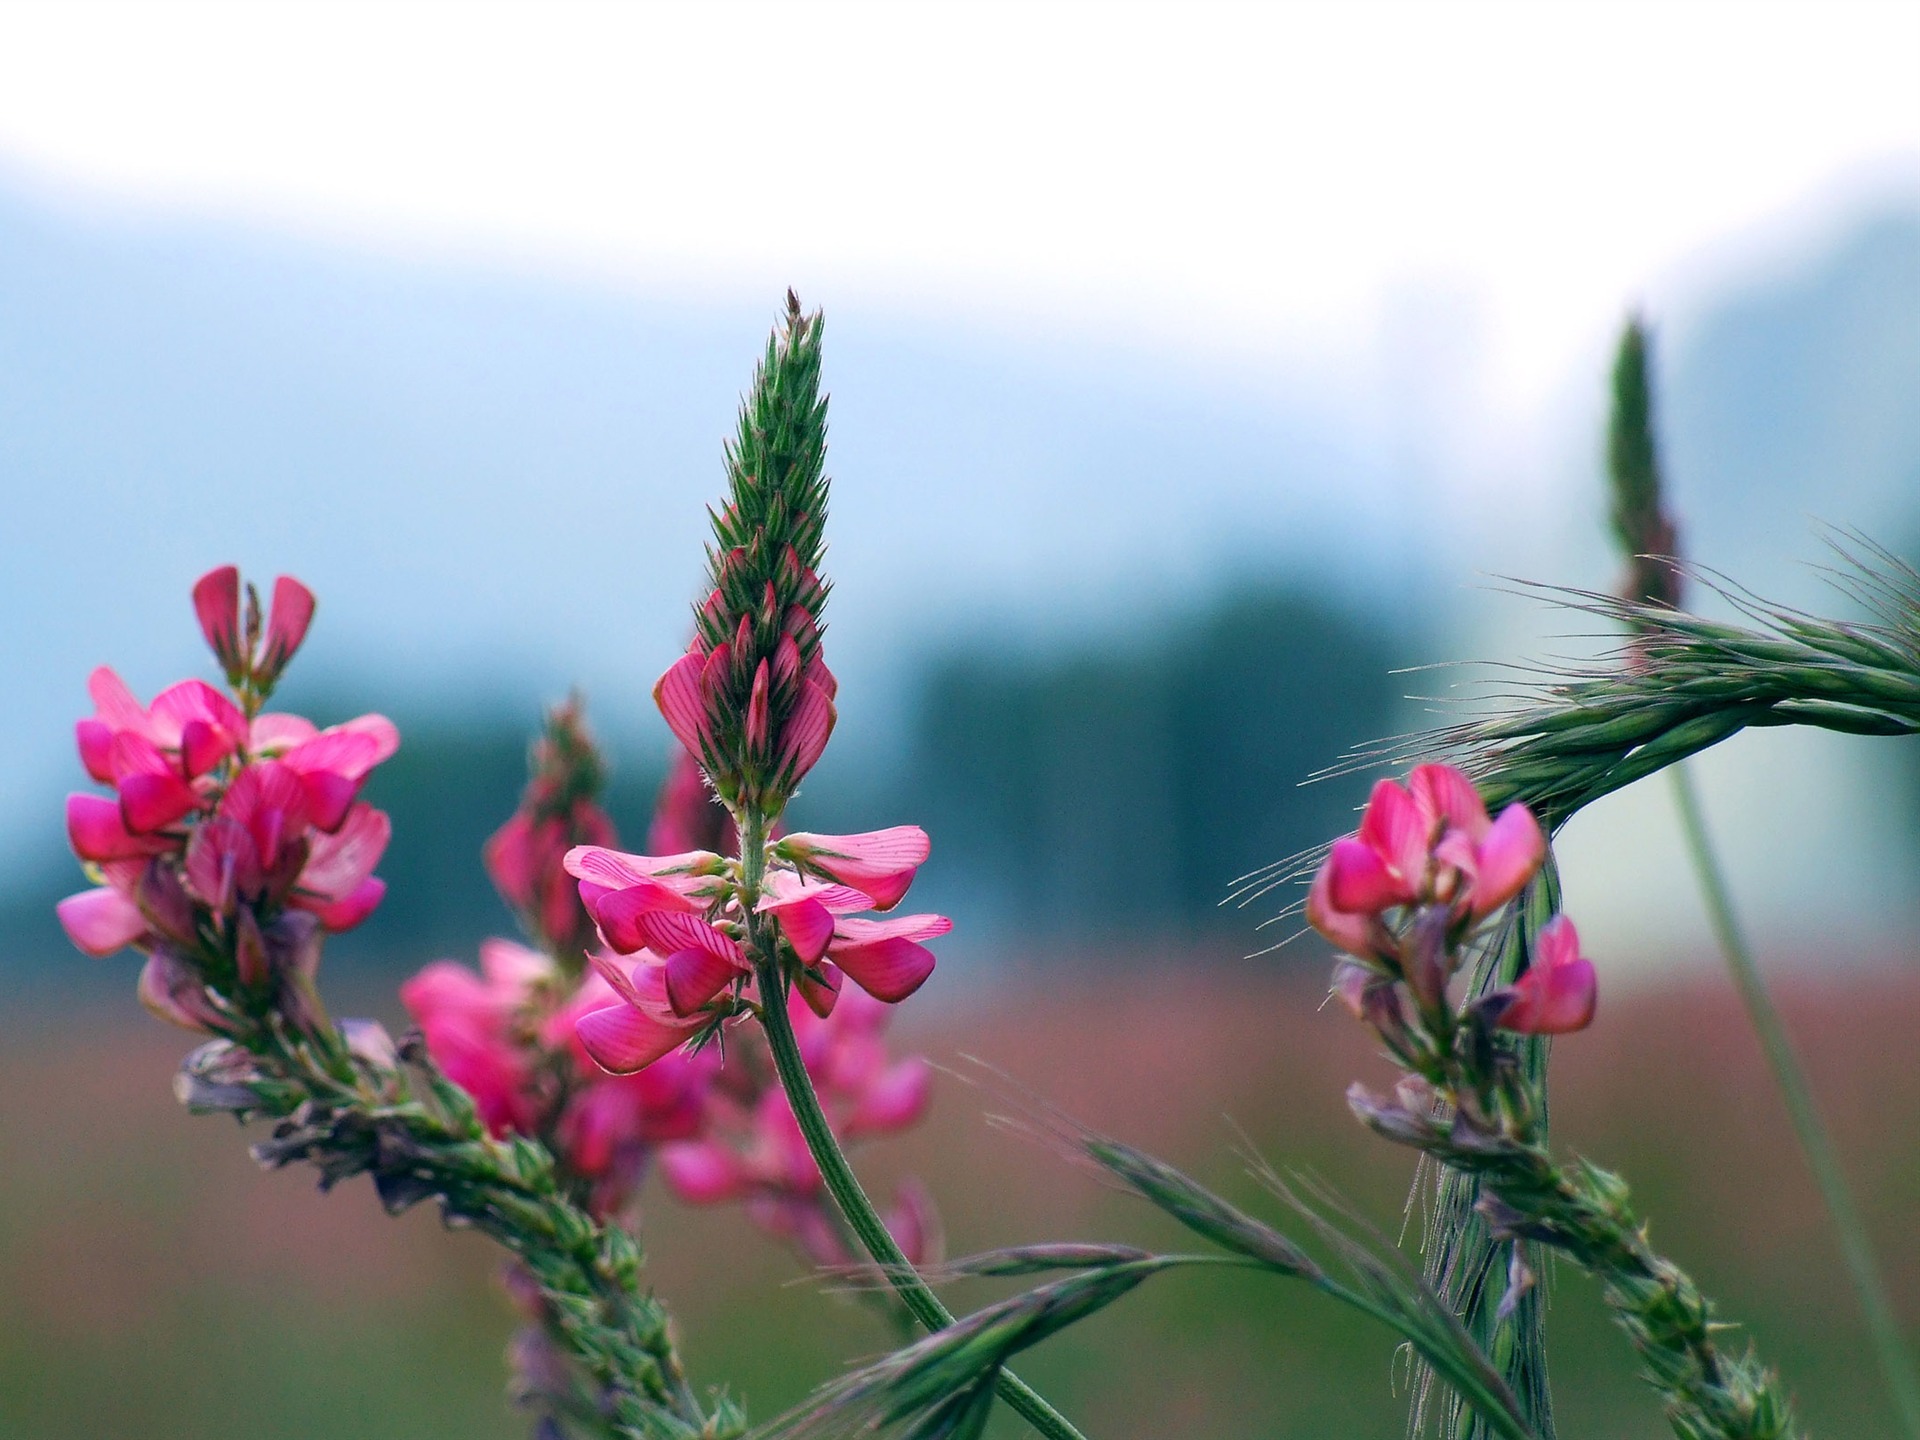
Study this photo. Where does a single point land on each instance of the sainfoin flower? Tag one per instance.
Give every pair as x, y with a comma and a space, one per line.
1558, 992
1429, 842
225, 825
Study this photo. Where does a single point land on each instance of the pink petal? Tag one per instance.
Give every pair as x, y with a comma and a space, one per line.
703, 1172
171, 990
1395, 829
896, 927
101, 921
349, 910
686, 873
1358, 880
819, 988
1446, 794
216, 603
803, 739
683, 702
113, 703
97, 831
1557, 944
1511, 853
270, 801
276, 733
758, 703
384, 733
897, 1100
615, 974
95, 741
621, 1040
287, 623
152, 794
177, 706
694, 977
808, 926
339, 864
618, 913
1347, 931
889, 969
668, 931
511, 968
222, 864
509, 859
878, 863
203, 746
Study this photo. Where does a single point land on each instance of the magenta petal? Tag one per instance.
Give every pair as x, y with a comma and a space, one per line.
338, 864
1557, 944
349, 911
1444, 793
615, 974
101, 921
694, 977
895, 927
803, 739
1359, 882
622, 1040
329, 797
808, 926
97, 831
819, 987
216, 603
702, 1172
222, 864
1347, 931
95, 741
683, 702
1394, 828
667, 931
894, 1101
276, 733
287, 622
879, 863
618, 913
152, 799
113, 703
889, 969
1510, 855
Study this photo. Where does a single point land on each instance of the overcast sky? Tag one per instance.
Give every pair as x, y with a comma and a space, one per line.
1270, 176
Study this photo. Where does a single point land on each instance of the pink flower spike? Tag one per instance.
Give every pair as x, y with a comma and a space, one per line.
101, 921
287, 625
97, 831
621, 1039
878, 863
682, 699
216, 602
1560, 990
1510, 854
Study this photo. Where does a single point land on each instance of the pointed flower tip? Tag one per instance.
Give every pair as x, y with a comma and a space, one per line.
287, 622
216, 603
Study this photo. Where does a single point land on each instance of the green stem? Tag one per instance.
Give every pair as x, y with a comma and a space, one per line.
1896, 1364
841, 1182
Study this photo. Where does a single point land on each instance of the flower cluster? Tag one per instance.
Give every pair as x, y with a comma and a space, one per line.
1403, 897
676, 924
752, 1149
233, 838
558, 810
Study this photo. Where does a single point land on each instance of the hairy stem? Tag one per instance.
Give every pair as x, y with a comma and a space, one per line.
1896, 1363
840, 1180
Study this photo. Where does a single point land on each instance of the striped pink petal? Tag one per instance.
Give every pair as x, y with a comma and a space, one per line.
1445, 794
688, 873
618, 912
152, 792
695, 976
621, 1039
667, 931
287, 622
216, 604
819, 986
683, 702
803, 739
879, 863
275, 733
339, 864
113, 702
101, 921
1395, 828
222, 864
1346, 929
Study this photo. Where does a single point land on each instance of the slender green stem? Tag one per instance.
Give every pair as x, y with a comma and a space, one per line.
841, 1182
1896, 1363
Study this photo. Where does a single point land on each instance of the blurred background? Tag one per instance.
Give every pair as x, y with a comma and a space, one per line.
1198, 374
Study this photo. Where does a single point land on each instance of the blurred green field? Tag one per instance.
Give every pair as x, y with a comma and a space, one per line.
153, 1283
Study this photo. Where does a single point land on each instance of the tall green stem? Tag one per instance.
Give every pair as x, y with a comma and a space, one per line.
1896, 1364
841, 1182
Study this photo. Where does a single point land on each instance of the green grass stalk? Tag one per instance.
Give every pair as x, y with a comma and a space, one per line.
840, 1180
1889, 1346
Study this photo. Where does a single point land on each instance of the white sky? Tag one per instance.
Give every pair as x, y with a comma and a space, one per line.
1233, 177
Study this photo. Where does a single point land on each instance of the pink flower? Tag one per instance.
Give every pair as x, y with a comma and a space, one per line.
468, 1021
101, 921
880, 864
1430, 842
1559, 991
